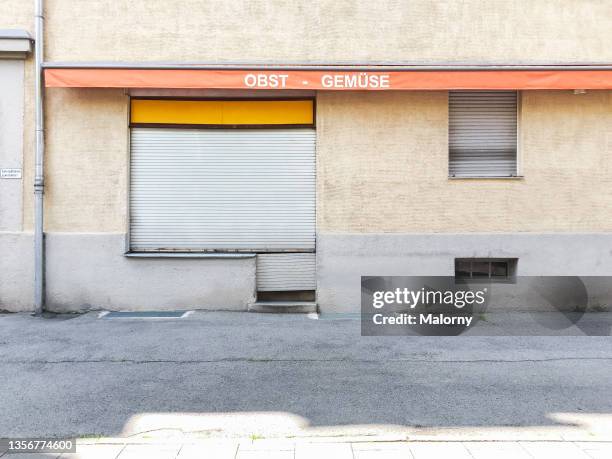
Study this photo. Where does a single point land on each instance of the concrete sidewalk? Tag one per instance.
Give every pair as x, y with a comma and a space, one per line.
322, 449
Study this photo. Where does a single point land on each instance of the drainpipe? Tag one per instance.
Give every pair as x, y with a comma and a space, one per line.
39, 179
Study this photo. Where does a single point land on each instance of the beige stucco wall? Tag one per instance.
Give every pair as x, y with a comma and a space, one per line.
86, 160
322, 30
17, 14
362, 31
383, 167
382, 157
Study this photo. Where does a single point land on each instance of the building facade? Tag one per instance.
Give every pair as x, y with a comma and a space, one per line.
427, 138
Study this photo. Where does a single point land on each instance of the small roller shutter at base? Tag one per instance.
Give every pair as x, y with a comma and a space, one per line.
277, 272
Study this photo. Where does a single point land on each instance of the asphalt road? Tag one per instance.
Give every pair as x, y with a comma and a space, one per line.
223, 374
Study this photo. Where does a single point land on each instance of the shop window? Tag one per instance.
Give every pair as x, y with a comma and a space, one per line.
483, 133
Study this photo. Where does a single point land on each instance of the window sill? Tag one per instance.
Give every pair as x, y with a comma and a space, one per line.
187, 255
484, 177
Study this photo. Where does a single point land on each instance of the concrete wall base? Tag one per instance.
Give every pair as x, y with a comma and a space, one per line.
342, 258
89, 271
86, 271
16, 271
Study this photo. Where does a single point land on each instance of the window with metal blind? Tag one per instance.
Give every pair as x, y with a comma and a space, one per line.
483, 133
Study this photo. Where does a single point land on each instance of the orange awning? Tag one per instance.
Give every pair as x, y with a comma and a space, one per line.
327, 80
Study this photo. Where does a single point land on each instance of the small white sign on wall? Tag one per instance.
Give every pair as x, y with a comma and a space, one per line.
10, 173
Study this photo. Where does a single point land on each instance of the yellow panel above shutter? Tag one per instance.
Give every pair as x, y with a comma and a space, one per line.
219, 113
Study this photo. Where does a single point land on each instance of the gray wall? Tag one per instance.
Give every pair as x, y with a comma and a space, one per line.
89, 272
16, 271
343, 258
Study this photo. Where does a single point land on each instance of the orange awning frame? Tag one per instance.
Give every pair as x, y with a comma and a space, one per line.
333, 78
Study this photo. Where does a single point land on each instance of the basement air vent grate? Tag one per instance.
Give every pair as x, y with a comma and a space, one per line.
144, 315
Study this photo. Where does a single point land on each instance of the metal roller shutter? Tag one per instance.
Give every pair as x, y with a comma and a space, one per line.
285, 272
222, 189
482, 133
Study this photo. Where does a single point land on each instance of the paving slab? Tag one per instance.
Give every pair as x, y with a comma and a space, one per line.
323, 450
437, 450
596, 450
497, 450
554, 450
31, 456
280, 444
150, 452
263, 454
94, 451
393, 450
222, 450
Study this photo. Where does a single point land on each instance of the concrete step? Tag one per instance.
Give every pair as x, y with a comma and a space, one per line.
303, 307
